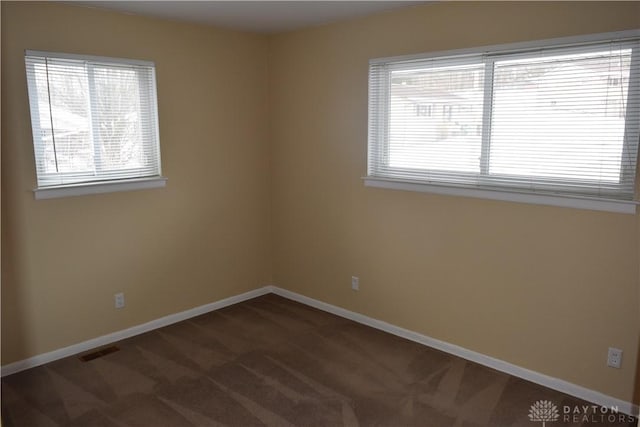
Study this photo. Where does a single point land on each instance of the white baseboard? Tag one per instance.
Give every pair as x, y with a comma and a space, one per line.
497, 364
41, 359
491, 362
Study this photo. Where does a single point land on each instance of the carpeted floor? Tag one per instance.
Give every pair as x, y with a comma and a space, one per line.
270, 361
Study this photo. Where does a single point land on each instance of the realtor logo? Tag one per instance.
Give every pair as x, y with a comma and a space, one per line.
544, 411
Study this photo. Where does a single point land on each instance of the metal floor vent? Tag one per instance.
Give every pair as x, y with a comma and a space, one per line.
99, 353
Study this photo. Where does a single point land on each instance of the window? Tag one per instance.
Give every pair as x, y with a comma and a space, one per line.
546, 119
94, 121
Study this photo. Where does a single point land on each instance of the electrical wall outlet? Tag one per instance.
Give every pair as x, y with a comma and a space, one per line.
119, 300
614, 357
355, 283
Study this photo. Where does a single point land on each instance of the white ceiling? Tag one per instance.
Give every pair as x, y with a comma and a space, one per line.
255, 16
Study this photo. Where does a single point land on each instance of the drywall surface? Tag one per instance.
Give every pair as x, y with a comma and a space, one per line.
202, 238
545, 288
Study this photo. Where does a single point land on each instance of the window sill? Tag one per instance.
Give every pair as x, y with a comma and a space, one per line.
98, 188
576, 202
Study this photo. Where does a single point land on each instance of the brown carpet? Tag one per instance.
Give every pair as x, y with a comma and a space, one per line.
270, 361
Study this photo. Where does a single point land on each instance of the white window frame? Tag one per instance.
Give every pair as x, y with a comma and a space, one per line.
488, 54
91, 185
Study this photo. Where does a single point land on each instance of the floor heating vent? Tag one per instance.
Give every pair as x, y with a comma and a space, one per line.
99, 353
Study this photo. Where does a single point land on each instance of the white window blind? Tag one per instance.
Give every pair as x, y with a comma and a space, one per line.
93, 119
560, 120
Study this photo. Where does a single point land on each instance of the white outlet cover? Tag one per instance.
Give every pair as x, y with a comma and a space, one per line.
119, 300
355, 283
614, 357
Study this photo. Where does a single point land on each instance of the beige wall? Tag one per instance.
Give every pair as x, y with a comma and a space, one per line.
203, 238
545, 288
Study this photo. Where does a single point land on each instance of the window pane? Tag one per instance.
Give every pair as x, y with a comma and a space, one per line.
435, 118
560, 116
64, 104
117, 116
